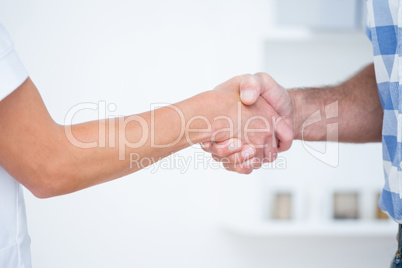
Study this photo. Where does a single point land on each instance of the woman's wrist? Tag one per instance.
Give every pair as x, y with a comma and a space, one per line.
200, 114
215, 116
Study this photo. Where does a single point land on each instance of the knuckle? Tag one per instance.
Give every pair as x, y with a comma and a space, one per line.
240, 78
248, 171
266, 79
216, 158
287, 139
269, 159
238, 168
235, 158
250, 82
205, 149
221, 151
225, 160
257, 165
264, 76
227, 168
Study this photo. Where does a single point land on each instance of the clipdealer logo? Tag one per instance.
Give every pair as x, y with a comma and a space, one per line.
330, 155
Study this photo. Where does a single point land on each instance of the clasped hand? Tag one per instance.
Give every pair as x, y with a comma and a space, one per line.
265, 125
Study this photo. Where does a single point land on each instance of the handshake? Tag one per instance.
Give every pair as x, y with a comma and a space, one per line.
257, 123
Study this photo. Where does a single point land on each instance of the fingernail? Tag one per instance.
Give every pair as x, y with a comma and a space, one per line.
247, 153
233, 146
206, 144
247, 94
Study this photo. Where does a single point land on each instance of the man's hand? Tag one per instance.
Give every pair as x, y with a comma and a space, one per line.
244, 158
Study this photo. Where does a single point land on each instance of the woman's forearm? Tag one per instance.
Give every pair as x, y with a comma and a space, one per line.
352, 109
51, 159
131, 143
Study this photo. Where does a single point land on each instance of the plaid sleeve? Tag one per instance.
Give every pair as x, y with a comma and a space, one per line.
368, 33
368, 24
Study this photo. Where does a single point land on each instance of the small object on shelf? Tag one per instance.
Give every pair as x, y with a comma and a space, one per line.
346, 205
379, 214
282, 206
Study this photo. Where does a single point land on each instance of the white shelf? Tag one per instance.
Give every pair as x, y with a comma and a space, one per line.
355, 228
306, 58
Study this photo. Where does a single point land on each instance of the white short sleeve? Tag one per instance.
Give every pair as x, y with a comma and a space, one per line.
12, 71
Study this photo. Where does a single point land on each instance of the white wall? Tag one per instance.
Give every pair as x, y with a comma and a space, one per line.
133, 53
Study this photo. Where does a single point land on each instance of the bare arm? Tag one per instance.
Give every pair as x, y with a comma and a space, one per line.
47, 159
36, 151
354, 105
358, 108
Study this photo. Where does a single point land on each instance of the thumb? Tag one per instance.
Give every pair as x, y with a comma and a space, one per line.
250, 89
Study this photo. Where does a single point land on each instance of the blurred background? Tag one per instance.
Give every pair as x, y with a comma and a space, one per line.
299, 211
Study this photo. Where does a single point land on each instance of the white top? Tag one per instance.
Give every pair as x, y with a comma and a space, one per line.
14, 238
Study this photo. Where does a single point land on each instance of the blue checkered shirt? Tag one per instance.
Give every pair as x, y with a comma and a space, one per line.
384, 22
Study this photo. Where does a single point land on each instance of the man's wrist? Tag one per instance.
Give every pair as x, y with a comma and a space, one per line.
311, 109
296, 96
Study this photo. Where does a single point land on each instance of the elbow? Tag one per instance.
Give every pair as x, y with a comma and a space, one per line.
43, 191
50, 182
50, 171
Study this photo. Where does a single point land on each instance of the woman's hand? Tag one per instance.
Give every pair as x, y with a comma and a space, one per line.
270, 101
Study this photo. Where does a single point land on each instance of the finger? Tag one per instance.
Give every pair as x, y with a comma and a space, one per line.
270, 155
279, 99
271, 150
226, 148
257, 161
247, 172
285, 135
250, 89
274, 94
254, 163
247, 152
216, 158
206, 146
243, 168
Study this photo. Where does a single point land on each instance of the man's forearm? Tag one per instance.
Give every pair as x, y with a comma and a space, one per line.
354, 105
